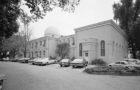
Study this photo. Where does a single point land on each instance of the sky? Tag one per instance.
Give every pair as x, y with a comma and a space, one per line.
87, 12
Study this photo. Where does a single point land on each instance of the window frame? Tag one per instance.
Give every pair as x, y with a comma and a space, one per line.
102, 45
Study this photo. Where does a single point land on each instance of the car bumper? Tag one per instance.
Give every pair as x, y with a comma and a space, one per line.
77, 64
39, 63
64, 64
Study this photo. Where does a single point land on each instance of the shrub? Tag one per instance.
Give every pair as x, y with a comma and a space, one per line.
111, 70
98, 62
52, 57
72, 58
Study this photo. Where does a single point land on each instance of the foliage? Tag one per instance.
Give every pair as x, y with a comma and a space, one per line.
13, 44
127, 13
39, 8
52, 58
73, 58
98, 62
107, 70
63, 50
9, 12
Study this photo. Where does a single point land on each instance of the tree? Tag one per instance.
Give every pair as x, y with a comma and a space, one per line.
26, 21
39, 8
10, 10
127, 13
63, 50
13, 45
26, 35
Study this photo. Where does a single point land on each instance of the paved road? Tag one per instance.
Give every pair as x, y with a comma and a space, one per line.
29, 77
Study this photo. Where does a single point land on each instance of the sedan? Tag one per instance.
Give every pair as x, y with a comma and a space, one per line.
64, 62
79, 63
43, 61
119, 64
24, 60
124, 64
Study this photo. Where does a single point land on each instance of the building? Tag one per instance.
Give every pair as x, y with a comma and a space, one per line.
105, 40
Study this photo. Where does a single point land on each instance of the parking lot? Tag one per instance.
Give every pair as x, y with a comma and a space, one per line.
22, 76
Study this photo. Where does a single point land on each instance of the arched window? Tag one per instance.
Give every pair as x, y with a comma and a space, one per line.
102, 48
80, 49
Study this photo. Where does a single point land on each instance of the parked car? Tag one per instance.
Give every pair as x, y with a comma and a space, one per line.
5, 59
79, 63
32, 60
132, 61
42, 61
15, 60
51, 61
2, 78
23, 60
64, 62
125, 64
119, 64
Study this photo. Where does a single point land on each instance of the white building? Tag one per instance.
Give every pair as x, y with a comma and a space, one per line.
103, 40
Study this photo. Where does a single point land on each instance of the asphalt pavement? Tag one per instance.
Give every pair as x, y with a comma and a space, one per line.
53, 77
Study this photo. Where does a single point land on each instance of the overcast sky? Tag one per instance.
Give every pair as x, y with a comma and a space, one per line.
87, 12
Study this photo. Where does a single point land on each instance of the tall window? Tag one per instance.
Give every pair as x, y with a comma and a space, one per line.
36, 53
32, 54
102, 48
36, 45
44, 44
80, 49
40, 54
44, 53
113, 48
40, 43
73, 41
32, 45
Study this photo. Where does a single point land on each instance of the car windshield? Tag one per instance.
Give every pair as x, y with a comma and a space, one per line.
122, 63
65, 60
117, 63
78, 60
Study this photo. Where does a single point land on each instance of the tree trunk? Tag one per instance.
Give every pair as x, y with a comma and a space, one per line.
133, 50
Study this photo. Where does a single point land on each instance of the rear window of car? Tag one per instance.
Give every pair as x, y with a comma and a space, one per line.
117, 63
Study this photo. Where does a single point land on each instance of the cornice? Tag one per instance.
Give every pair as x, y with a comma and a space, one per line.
100, 24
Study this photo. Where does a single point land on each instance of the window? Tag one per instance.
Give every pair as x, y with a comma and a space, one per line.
40, 43
36, 54
44, 44
73, 41
36, 45
40, 54
86, 54
80, 49
32, 45
44, 53
102, 48
113, 48
32, 54
69, 41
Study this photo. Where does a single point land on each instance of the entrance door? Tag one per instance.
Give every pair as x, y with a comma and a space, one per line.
86, 55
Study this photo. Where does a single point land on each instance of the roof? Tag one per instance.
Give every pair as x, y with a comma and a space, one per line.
103, 23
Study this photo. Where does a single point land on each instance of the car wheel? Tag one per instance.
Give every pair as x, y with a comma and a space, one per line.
127, 68
73, 66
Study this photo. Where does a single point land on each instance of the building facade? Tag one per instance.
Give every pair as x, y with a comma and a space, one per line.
103, 40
